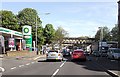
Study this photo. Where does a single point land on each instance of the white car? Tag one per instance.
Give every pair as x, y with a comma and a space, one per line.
54, 55
113, 53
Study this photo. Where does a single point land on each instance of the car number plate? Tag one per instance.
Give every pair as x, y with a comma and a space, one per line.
52, 54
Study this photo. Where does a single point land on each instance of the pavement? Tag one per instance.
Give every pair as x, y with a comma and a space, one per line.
18, 55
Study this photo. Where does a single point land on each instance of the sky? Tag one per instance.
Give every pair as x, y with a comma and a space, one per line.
78, 18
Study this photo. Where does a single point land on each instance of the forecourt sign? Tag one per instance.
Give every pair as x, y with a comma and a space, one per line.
27, 36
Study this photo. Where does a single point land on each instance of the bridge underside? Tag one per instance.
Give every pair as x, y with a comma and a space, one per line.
81, 42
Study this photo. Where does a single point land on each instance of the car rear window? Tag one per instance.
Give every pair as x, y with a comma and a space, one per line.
54, 51
78, 51
116, 51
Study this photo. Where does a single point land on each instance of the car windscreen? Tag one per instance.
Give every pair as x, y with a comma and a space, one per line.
78, 51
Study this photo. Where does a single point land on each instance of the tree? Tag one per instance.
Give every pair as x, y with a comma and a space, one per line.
106, 34
49, 33
41, 37
114, 33
8, 20
59, 35
29, 16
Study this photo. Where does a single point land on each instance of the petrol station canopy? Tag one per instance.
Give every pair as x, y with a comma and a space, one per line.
11, 33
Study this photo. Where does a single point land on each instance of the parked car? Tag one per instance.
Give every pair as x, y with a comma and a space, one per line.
78, 55
113, 53
54, 55
65, 52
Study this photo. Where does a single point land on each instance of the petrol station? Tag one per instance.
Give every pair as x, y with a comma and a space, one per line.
14, 40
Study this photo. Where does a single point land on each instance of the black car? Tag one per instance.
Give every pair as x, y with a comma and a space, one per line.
65, 52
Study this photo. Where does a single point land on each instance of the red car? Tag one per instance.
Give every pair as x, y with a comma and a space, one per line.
78, 55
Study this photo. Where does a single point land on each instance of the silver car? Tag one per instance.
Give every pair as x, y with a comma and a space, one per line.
54, 55
113, 53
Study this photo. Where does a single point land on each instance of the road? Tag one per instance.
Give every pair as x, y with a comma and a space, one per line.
41, 67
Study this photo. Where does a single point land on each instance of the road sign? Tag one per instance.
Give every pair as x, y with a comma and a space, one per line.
27, 36
26, 30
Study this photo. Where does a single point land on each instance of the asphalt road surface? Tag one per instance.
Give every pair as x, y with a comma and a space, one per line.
41, 67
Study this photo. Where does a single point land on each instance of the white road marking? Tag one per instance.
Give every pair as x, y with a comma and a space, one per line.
21, 65
62, 64
28, 64
55, 73
2, 69
13, 68
114, 73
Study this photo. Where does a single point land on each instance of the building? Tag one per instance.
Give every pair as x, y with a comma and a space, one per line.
119, 23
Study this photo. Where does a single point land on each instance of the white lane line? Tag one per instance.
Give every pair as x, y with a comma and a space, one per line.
62, 64
36, 58
114, 73
55, 73
13, 68
2, 69
28, 64
21, 65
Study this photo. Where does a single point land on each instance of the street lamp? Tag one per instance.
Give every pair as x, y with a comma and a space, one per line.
36, 30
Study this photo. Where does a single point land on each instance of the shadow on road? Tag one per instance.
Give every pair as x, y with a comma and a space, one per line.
49, 61
96, 64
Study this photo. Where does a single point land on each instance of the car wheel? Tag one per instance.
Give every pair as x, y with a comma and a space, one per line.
62, 59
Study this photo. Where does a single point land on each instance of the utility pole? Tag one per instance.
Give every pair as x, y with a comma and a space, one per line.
37, 33
36, 37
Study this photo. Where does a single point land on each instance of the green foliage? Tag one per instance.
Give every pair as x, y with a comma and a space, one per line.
114, 33
41, 37
60, 34
8, 20
29, 16
106, 34
49, 33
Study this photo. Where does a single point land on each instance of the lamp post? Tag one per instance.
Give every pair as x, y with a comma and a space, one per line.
36, 36
36, 32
